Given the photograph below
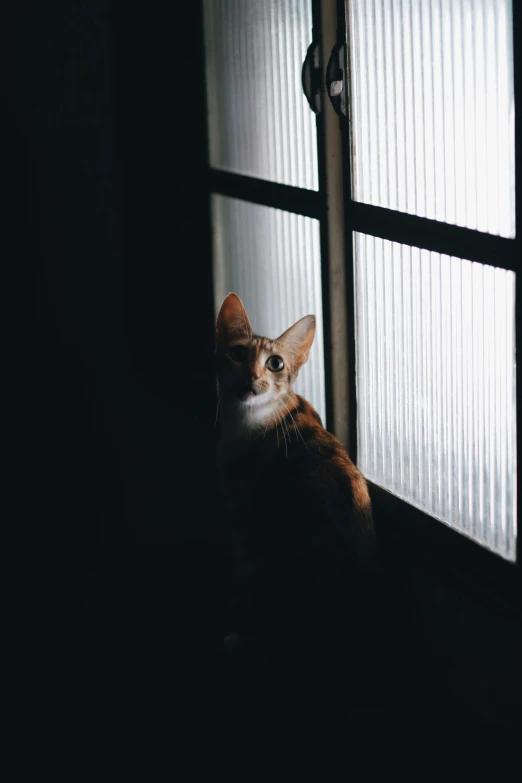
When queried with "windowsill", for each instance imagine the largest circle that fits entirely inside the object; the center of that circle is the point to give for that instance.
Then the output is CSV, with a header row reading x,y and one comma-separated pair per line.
x,y
403,530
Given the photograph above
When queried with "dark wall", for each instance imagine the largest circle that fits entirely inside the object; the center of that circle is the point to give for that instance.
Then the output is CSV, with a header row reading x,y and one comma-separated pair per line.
x,y
107,241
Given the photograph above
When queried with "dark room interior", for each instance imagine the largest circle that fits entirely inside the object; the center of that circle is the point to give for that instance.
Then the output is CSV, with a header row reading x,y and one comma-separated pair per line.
x,y
120,566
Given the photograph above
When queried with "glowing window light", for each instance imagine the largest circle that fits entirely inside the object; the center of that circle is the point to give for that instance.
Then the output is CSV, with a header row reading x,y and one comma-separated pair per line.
x,y
432,109
436,396
259,122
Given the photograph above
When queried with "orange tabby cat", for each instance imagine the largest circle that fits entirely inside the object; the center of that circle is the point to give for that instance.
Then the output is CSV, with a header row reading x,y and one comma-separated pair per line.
x,y
299,505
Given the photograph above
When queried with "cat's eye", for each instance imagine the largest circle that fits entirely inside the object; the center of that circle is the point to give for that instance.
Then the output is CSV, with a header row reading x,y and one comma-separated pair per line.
x,y
275,363
238,353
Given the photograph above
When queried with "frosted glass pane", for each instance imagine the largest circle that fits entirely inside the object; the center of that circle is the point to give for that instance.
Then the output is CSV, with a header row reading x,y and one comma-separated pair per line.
x,y
436,394
259,121
272,260
432,109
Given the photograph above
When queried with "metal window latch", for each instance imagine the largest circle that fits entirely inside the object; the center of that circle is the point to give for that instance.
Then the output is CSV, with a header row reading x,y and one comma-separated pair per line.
x,y
336,79
311,76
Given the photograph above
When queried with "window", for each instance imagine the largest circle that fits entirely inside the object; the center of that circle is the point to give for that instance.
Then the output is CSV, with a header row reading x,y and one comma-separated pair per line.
x,y
432,119
394,220
436,385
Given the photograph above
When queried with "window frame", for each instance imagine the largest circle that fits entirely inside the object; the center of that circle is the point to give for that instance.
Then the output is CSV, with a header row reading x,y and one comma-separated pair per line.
x,y
398,523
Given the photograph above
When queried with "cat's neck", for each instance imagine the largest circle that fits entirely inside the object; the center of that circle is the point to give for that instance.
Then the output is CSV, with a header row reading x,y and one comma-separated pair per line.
x,y
244,422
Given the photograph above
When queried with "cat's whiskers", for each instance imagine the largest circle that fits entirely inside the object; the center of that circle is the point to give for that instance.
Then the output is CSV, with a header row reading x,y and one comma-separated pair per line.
x,y
296,428
270,421
217,411
277,430
284,424
283,433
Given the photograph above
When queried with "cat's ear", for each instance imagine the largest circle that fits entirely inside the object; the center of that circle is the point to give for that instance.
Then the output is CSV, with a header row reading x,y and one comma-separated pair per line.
x,y
232,320
298,340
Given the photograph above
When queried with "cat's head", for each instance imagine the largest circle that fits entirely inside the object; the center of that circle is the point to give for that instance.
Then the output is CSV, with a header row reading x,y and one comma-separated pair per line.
x,y
255,374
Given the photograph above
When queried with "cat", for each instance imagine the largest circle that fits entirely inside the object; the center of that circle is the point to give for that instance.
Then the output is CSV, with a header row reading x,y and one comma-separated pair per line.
x,y
298,505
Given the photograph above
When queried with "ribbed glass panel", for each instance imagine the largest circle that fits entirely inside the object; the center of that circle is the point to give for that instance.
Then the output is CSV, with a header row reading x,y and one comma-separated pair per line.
x,y
272,260
436,396
433,109
259,121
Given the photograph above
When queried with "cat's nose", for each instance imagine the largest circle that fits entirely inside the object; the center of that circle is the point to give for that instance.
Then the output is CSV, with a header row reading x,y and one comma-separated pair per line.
x,y
254,375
